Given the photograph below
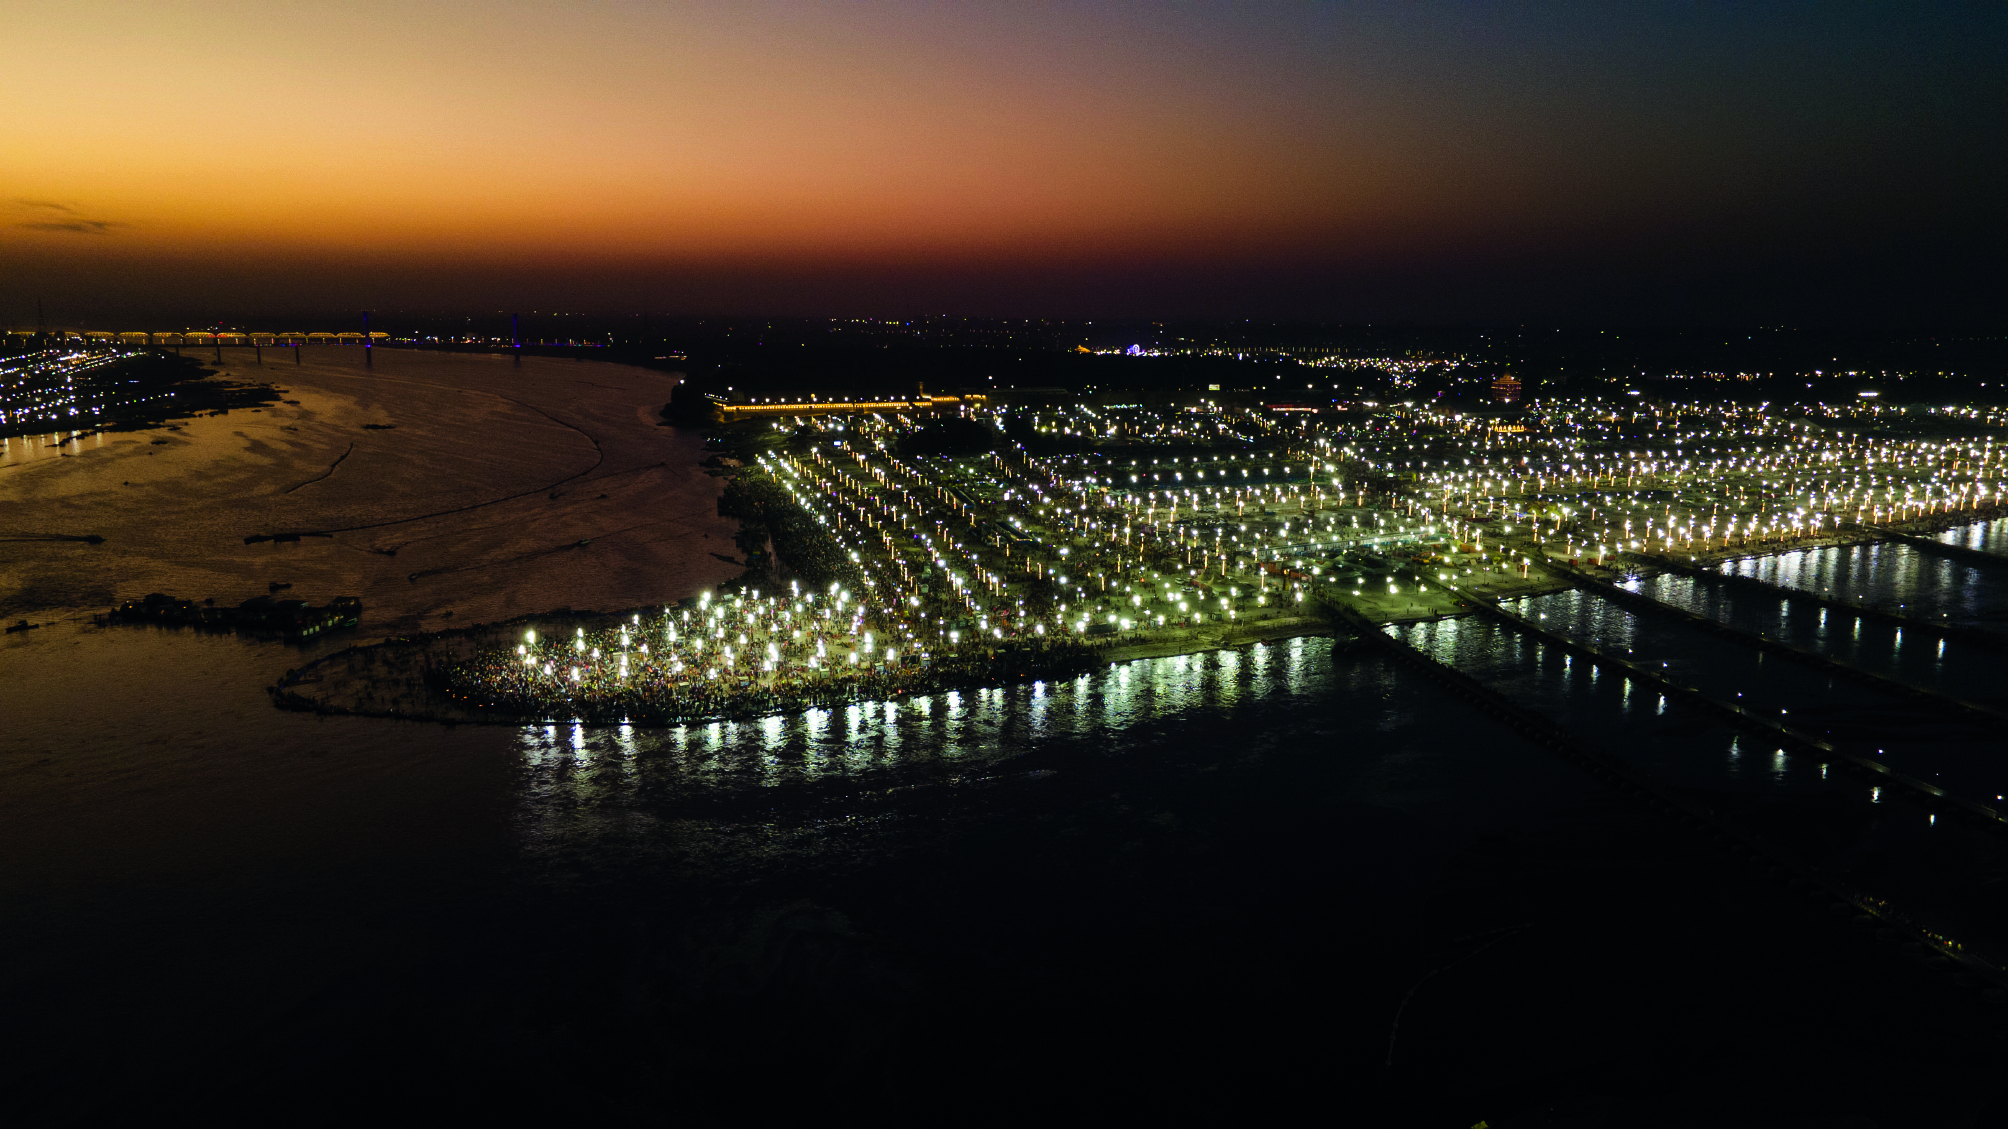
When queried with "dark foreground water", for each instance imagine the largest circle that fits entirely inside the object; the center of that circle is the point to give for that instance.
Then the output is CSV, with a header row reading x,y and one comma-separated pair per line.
x,y
1204,886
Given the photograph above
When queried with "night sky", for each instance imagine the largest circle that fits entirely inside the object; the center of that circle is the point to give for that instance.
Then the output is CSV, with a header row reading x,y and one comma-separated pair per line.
x,y
1691,162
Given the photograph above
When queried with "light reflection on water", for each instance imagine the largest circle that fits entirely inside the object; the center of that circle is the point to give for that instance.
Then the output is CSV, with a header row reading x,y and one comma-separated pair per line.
x,y
616,786
1836,822
957,731
1891,575
1862,832
21,449
1948,747
1615,713
1983,536
1962,670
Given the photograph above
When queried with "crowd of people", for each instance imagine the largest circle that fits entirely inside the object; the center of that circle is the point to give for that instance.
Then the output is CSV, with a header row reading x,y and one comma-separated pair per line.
x,y
768,516
898,588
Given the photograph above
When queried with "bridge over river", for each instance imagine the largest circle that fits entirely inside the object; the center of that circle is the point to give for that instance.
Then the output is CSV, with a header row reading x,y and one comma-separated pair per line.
x,y
143,339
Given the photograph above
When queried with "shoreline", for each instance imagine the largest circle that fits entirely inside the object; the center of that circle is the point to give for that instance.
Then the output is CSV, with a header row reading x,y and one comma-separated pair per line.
x,y
1845,536
396,677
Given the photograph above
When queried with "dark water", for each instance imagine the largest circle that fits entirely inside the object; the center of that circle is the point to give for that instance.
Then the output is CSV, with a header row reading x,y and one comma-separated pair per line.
x,y
1940,873
1962,670
1986,536
1892,575
1964,752
1194,884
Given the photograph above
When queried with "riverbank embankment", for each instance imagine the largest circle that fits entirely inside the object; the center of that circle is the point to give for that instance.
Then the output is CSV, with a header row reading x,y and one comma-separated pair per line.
x,y
404,677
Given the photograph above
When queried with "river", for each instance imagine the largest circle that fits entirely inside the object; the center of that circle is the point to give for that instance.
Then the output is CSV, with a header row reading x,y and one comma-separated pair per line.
x,y
1209,882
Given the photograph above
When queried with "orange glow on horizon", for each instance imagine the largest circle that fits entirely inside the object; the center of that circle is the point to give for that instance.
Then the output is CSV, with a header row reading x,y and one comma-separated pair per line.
x,y
411,132
371,151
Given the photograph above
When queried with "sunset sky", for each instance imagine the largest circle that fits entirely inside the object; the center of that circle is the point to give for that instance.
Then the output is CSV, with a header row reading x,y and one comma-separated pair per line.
x,y
1308,159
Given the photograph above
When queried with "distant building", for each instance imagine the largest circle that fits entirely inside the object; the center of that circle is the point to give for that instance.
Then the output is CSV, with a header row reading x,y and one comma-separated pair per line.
x,y
1506,390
